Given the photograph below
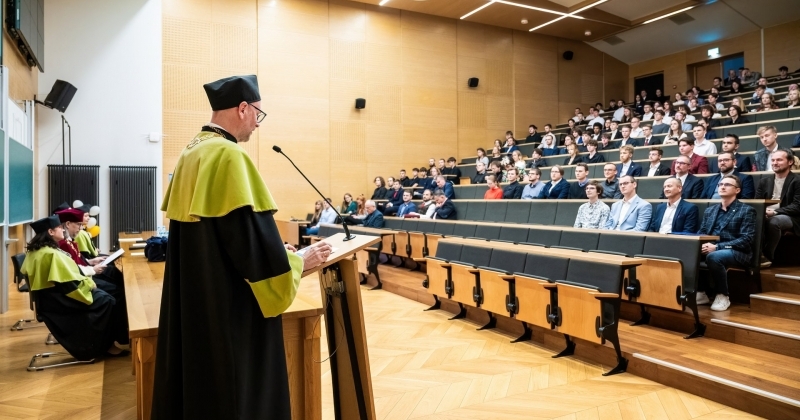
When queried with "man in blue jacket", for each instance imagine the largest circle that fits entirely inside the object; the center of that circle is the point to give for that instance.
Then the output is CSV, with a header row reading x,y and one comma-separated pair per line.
x,y
726,162
627,166
631,213
373,219
692,185
407,206
445,209
557,187
676,215
446,187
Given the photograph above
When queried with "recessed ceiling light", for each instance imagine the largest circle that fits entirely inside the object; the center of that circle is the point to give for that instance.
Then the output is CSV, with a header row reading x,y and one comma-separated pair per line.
x,y
383,2
524,21
571,14
588,33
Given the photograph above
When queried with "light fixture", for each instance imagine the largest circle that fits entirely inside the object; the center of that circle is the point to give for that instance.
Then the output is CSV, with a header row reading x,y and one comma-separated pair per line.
x,y
713,52
588,33
667,15
571,14
524,21
383,2
478,9
511,3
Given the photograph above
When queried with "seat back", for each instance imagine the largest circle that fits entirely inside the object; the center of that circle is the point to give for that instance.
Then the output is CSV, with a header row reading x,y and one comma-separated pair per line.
x,y
507,260
547,237
547,266
514,234
475,255
425,225
465,230
496,211
605,277
409,225
475,211
444,228
543,212
518,211
580,240
567,212
330,230
487,232
23,284
449,251
392,223
627,244
461,207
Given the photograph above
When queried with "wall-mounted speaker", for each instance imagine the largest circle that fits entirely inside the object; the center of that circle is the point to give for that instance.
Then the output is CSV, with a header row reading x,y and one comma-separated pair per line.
x,y
568,55
473,82
60,95
361,103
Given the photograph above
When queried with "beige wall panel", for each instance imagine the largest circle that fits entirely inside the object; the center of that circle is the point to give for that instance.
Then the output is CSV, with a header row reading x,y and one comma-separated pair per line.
x,y
383,64
421,143
471,40
343,100
471,111
229,52
499,113
22,80
347,20
499,43
235,12
441,118
500,77
421,68
429,97
524,39
186,41
184,87
469,139
615,79
591,90
280,107
290,75
535,112
348,178
442,27
424,40
781,47
383,142
383,25
180,127
347,60
536,80
348,141
471,67
383,104
313,47
294,16
188,9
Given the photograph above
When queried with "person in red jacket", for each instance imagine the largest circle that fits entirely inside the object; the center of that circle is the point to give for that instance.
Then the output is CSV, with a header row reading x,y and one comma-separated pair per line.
x,y
699,164
494,192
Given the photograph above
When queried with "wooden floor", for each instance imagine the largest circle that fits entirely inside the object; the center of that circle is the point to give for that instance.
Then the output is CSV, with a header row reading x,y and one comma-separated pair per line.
x,y
423,366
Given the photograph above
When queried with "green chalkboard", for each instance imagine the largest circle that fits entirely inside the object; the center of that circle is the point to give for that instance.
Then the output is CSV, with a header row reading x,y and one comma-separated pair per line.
x,y
2,175
20,183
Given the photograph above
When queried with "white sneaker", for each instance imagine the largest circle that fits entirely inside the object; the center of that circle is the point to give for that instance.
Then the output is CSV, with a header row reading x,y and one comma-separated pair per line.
x,y
702,298
721,303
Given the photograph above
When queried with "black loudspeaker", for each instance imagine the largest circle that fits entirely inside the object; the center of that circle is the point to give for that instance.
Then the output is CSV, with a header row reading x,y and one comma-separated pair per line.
x,y
60,95
473,82
567,55
361,103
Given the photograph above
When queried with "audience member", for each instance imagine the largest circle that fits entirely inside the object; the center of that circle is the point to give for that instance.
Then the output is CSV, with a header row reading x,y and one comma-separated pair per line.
x,y
327,217
631,213
424,182
647,115
735,112
380,189
769,138
480,174
452,172
737,100
518,161
619,111
793,99
702,146
734,222
482,157
446,187
405,181
573,157
709,113
692,185
577,115
595,118
699,164
535,186
606,143
736,87
594,214
395,198
726,165
710,134
647,137
349,205
627,166
318,207
784,216
731,144
373,218
656,167
732,77
712,102
548,145
576,190
756,99
445,209
685,119
784,74
427,208
678,99
494,192
626,138
767,103
659,125
533,136
497,154
611,183
537,161
407,206
615,132
555,189
514,189
676,215
675,133
496,169
511,143
627,114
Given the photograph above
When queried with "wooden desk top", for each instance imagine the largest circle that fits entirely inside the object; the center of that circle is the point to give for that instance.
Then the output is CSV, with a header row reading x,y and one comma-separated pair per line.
x,y
143,284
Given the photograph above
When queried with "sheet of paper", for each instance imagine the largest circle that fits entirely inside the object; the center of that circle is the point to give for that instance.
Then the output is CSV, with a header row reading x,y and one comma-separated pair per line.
x,y
111,258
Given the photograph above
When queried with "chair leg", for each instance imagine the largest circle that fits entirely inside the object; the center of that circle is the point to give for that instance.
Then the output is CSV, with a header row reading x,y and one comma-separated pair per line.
x,y
437,304
690,299
491,324
527,334
26,324
372,268
569,350
33,367
50,340
645,319
462,312
610,333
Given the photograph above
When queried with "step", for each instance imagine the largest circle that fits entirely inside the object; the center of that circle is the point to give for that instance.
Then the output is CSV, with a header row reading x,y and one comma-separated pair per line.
x,y
777,304
764,332
786,280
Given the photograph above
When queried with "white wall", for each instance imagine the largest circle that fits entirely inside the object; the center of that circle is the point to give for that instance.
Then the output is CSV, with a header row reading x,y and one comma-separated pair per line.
x,y
111,52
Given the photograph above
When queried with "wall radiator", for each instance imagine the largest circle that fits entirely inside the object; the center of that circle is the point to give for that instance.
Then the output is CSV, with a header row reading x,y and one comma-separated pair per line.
x,y
133,200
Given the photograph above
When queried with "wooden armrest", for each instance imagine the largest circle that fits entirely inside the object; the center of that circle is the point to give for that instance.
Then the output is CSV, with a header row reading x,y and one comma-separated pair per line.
x,y
372,249
507,277
473,270
550,286
420,260
600,295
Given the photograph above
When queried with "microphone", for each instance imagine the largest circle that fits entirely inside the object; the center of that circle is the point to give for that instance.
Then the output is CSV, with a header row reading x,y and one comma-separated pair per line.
x,y
347,235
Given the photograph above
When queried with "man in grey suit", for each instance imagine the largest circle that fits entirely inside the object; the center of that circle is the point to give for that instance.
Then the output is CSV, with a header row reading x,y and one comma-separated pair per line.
x,y
631,213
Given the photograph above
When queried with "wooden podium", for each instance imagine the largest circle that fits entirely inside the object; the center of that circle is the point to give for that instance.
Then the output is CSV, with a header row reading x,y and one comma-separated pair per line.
x,y
344,321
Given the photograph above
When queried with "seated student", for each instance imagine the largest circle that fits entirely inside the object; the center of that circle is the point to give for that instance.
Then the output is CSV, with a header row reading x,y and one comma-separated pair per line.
x,y
494,192
446,187
611,184
557,188
725,163
734,222
533,136
318,207
730,143
328,216
496,169
606,143
512,191
349,206
81,316
576,189
452,172
692,185
380,189
407,206
627,166
395,198
784,216
404,180
373,218
548,145
656,168
427,208
659,125
631,213
676,215
698,164
594,214
534,187
768,135
424,182
573,158
536,161
480,175
593,156
445,209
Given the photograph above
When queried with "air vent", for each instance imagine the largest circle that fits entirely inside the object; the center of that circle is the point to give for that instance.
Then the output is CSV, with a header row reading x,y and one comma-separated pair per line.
x,y
681,19
614,40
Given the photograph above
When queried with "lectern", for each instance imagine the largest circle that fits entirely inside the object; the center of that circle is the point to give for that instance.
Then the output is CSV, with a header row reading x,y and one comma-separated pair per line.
x,y
344,321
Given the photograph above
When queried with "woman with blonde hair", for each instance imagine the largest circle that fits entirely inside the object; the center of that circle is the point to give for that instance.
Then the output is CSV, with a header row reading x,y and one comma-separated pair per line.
x,y
737,100
360,203
573,158
317,213
518,159
793,99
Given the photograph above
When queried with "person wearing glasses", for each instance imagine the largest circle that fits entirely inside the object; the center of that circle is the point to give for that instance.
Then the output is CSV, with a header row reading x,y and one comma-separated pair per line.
x,y
692,185
228,274
725,163
735,224
631,213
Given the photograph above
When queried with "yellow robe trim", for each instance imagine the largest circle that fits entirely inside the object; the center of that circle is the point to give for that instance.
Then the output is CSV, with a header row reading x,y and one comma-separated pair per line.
x,y
213,177
275,294
47,266
84,242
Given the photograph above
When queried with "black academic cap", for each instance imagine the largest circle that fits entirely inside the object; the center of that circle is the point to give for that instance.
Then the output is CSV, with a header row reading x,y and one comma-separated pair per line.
x,y
231,91
62,206
42,225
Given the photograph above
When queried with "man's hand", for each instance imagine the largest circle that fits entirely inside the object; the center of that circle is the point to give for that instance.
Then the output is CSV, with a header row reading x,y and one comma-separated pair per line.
x,y
316,255
98,269
290,248
95,261
707,248
770,213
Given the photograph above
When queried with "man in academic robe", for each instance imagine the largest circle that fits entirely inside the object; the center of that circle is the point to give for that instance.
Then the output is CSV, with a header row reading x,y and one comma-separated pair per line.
x,y
228,275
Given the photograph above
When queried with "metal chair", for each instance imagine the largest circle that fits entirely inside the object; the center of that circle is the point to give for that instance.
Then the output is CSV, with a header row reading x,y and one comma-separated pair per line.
x,y
23,286
62,358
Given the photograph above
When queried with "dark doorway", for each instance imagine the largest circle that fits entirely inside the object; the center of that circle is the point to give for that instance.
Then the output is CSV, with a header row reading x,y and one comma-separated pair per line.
x,y
649,84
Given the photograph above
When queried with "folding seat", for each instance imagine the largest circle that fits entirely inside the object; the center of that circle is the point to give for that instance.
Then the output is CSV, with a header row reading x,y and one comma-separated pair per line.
x,y
493,289
488,232
461,207
543,212
464,230
464,275
496,210
440,229
518,211
514,234
416,239
548,237
438,270
567,212
629,245
530,297
476,211
583,240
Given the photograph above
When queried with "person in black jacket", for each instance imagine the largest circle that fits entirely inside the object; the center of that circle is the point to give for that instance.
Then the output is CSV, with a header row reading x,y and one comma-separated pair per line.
x,y
445,209
784,216
480,175
533,136
380,190
512,191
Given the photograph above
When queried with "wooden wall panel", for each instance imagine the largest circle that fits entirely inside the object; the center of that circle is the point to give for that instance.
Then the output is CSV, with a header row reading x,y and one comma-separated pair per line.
x,y
615,79
781,47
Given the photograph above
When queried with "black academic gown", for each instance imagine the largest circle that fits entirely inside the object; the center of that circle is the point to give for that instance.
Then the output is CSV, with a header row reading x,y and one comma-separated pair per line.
x,y
218,357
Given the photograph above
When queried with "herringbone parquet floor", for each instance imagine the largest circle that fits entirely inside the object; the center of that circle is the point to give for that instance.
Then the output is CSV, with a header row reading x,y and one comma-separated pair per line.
x,y
423,367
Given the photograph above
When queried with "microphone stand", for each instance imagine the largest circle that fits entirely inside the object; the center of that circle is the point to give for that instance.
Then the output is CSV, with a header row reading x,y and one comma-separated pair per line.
x,y
347,235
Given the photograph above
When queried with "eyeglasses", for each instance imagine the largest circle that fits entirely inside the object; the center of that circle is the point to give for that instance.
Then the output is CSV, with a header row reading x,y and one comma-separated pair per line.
x,y
726,184
681,163
724,160
261,114
622,184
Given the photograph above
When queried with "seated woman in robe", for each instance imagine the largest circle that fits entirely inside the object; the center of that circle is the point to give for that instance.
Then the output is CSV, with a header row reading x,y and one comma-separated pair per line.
x,y
80,315
82,238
